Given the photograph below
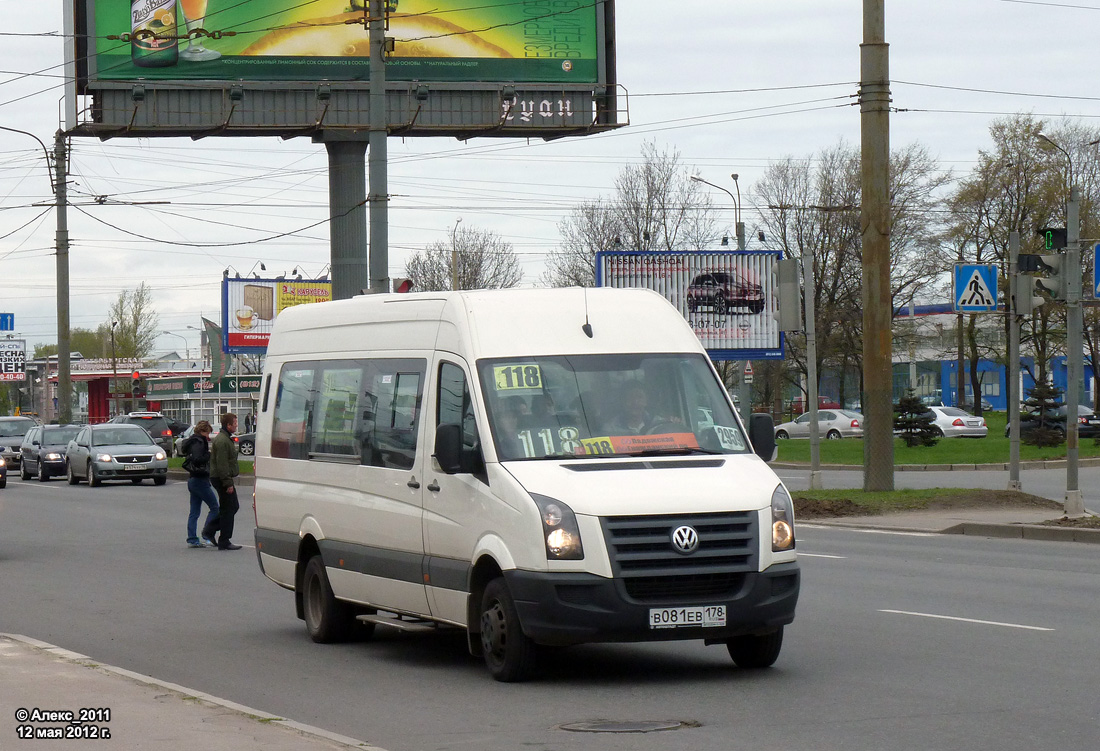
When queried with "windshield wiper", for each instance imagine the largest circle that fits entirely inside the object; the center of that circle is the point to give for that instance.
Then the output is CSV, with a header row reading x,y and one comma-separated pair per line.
x,y
675,452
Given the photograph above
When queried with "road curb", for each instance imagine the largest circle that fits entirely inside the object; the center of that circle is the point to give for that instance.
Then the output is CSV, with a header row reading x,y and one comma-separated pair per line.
x,y
1001,467
1026,532
185,693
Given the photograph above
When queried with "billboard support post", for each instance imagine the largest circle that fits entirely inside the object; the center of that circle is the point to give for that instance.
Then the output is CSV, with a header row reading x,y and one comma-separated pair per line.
x,y
347,188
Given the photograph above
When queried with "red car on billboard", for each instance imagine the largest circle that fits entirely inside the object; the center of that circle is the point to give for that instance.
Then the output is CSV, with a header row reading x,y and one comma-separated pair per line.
x,y
723,291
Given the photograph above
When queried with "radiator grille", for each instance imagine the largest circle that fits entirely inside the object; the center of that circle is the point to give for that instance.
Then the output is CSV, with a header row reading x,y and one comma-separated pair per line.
x,y
651,568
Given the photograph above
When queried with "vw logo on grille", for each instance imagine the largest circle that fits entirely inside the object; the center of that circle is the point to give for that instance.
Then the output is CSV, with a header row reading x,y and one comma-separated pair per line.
x,y
685,540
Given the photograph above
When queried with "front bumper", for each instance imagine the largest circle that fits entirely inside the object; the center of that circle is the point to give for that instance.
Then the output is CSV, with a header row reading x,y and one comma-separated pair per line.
x,y
113,471
562,609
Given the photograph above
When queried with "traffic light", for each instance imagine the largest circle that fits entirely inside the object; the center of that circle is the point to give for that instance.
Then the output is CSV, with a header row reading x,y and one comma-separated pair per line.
x,y
1027,299
402,285
135,380
1055,281
1054,238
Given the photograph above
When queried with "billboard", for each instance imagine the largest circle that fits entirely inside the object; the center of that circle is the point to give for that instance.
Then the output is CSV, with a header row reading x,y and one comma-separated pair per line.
x,y
313,40
730,299
13,360
250,306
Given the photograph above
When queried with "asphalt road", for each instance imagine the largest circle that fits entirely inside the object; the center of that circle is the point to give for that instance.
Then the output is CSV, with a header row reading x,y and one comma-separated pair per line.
x,y
902,642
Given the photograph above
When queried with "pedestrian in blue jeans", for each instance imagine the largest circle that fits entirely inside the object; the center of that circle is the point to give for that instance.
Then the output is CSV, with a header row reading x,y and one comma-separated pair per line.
x,y
196,451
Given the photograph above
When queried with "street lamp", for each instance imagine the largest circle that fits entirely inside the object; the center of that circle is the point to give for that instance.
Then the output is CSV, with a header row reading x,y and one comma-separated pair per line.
x,y
1075,366
202,335
186,348
740,228
454,254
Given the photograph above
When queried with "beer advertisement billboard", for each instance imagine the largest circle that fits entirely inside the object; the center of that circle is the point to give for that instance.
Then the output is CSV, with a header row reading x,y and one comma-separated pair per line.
x,y
13,360
543,41
730,299
250,306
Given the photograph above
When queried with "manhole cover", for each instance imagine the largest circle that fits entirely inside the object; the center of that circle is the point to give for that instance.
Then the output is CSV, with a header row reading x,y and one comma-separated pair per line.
x,y
616,726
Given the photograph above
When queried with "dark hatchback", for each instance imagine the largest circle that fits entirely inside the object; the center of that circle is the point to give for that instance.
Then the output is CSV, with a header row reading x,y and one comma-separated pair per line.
x,y
1088,422
155,424
42,454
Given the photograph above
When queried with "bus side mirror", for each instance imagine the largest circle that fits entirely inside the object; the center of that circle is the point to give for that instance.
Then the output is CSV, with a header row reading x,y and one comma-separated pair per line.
x,y
448,447
762,435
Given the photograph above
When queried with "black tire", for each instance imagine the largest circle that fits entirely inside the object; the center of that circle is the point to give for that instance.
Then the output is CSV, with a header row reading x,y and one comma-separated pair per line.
x,y
248,448
4,481
756,306
721,307
755,651
833,435
509,654
327,619
43,473
159,480
73,479
938,431
781,435
23,473
93,478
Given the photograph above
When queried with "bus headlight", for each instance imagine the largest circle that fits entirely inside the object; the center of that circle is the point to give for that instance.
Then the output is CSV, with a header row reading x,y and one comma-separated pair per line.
x,y
559,529
782,520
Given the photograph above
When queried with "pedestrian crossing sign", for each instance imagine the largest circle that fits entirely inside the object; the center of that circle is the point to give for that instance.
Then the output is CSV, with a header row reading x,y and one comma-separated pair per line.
x,y
975,288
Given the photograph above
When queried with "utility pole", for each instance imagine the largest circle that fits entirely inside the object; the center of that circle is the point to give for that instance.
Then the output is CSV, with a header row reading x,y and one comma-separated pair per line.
x,y
64,372
378,155
809,282
1075,502
1014,362
874,99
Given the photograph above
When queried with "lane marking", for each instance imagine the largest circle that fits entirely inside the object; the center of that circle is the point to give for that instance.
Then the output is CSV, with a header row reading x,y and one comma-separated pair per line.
x,y
822,555
967,620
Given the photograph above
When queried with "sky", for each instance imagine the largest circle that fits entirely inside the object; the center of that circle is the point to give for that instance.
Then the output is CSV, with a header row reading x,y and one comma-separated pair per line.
x,y
732,86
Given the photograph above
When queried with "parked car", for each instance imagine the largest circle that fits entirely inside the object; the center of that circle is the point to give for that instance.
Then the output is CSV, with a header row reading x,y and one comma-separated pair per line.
x,y
12,432
1088,422
42,454
114,451
952,422
181,438
176,426
720,291
832,424
154,423
246,443
798,404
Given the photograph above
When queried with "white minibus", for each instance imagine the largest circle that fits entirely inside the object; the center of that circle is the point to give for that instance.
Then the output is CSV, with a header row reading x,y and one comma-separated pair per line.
x,y
536,467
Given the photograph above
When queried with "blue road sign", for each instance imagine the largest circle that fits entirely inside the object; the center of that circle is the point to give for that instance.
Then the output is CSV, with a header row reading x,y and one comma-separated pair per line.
x,y
975,288
1095,273
7,321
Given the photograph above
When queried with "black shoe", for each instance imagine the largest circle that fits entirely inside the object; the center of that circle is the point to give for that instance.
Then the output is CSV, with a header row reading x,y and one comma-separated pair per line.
x,y
230,546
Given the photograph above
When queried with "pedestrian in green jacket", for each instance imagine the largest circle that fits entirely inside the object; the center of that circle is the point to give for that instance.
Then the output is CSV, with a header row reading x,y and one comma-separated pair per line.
x,y
223,468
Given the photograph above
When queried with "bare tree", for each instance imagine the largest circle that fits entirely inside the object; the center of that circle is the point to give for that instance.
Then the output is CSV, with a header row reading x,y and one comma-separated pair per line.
x,y
811,208
656,207
138,323
482,260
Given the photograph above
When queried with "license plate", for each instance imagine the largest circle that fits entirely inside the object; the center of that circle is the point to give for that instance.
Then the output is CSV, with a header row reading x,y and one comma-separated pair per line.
x,y
706,616
135,467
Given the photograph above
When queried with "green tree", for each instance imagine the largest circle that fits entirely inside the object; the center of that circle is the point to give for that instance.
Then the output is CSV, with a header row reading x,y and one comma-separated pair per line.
x,y
137,323
1042,400
913,420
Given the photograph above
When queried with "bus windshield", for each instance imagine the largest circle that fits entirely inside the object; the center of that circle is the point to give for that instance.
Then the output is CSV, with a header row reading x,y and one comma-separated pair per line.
x,y
615,404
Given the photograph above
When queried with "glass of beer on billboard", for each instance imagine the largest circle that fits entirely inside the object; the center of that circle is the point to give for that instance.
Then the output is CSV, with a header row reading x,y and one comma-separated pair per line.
x,y
194,14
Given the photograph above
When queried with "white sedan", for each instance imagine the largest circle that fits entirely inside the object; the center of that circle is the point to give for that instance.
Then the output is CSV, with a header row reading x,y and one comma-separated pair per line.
x,y
831,423
952,422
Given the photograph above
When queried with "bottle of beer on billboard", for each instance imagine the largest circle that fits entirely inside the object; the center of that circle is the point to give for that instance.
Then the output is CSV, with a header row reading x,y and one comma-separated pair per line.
x,y
153,42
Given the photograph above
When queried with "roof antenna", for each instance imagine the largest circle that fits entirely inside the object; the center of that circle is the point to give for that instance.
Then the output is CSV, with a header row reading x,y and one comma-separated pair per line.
x,y
587,327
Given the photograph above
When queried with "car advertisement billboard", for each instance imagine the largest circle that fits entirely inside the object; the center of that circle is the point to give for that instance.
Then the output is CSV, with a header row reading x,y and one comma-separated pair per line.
x,y
250,306
730,299
13,360
315,40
